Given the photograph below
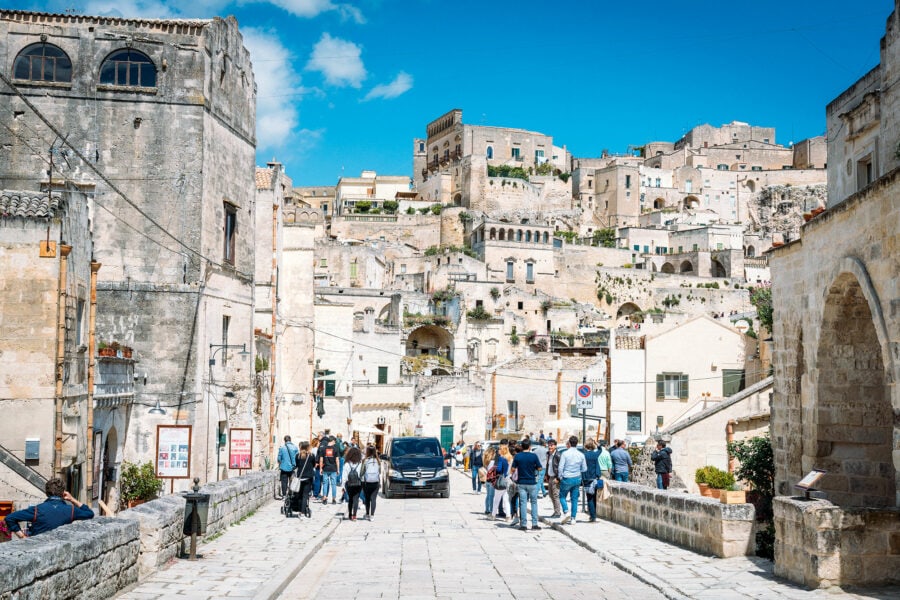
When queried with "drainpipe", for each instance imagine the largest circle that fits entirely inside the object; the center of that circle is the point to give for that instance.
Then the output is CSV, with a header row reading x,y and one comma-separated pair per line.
x,y
729,437
92,323
558,401
60,355
273,290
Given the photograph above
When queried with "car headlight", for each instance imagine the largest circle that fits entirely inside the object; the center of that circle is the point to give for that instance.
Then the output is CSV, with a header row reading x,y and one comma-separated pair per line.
x,y
442,473
394,473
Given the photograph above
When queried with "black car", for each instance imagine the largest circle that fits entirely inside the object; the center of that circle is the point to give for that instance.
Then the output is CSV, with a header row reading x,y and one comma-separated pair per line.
x,y
414,465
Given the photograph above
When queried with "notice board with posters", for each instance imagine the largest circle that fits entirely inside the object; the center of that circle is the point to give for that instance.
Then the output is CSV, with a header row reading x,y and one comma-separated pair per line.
x,y
240,449
173,451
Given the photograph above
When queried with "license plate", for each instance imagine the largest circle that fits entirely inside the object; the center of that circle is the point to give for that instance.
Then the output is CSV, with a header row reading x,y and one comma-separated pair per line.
x,y
418,484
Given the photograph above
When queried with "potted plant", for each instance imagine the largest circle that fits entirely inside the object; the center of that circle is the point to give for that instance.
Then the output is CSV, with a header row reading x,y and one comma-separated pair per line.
x,y
701,478
138,483
116,348
127,352
719,480
103,349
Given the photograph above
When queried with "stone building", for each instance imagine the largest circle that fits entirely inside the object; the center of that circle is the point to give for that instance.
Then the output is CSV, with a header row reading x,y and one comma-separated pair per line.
x,y
837,350
159,118
46,338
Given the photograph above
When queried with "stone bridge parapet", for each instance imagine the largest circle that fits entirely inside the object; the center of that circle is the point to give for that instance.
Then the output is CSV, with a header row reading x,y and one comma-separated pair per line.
x,y
695,522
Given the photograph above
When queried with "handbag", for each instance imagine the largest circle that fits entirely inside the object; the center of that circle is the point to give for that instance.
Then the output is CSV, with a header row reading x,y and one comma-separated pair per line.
x,y
502,482
482,474
490,476
294,485
513,488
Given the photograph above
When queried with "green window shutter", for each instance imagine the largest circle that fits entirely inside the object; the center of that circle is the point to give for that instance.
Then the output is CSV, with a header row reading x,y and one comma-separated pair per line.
x,y
683,388
660,387
329,387
382,374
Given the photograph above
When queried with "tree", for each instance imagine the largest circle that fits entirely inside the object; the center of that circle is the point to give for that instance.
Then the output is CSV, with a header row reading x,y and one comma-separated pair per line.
x,y
390,206
363,206
761,298
605,237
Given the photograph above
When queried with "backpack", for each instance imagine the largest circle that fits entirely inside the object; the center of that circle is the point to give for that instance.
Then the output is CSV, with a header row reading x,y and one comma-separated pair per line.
x,y
353,479
370,475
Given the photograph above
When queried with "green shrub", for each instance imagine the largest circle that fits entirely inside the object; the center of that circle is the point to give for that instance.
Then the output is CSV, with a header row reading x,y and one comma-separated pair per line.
x,y
435,209
363,206
478,314
138,482
410,210
719,479
390,206
701,475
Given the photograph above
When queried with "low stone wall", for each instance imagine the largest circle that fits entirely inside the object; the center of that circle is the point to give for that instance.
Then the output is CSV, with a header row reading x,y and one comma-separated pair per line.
x,y
696,522
818,544
100,557
87,559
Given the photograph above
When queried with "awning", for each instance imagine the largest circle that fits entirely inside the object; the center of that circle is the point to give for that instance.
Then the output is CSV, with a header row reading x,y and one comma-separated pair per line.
x,y
377,405
366,429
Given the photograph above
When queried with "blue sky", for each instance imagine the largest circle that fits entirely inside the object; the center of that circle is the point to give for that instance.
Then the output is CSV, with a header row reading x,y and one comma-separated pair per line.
x,y
346,86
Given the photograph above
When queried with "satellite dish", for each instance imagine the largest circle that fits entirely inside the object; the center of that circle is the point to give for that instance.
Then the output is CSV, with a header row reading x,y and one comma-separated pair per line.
x,y
464,426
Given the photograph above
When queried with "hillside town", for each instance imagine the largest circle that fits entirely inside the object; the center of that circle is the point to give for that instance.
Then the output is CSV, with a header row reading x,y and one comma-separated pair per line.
x,y
166,299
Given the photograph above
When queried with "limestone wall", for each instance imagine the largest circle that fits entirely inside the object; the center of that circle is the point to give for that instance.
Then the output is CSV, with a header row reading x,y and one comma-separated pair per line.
x,y
100,557
820,544
696,522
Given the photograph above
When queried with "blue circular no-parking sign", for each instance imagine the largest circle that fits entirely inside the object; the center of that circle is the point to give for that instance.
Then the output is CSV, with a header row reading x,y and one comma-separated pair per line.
x,y
584,391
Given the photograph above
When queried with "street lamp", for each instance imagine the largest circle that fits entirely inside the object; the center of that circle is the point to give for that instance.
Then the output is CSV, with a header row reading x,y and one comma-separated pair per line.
x,y
157,410
215,348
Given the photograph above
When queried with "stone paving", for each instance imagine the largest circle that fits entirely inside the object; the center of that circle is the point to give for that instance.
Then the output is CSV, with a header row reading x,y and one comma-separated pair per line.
x,y
253,558
434,548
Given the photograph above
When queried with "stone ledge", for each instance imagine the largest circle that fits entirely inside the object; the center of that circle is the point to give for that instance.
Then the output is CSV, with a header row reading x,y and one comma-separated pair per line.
x,y
695,522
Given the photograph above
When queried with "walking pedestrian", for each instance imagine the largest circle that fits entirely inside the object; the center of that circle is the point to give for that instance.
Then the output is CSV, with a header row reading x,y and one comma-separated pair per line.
x,y
371,479
341,448
605,461
328,464
527,469
352,481
489,455
591,457
501,464
662,458
512,488
621,461
287,462
476,461
551,468
317,473
571,468
306,468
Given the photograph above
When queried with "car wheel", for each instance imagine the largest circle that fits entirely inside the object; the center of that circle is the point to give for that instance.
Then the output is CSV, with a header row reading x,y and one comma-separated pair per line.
x,y
386,490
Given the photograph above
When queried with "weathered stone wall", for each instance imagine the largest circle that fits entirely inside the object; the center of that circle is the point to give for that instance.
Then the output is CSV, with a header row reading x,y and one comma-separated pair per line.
x,y
87,559
819,544
696,522
420,231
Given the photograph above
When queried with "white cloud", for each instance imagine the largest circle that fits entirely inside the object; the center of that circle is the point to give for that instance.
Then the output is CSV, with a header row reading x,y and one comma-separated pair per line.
x,y
278,89
166,9
401,84
150,9
339,61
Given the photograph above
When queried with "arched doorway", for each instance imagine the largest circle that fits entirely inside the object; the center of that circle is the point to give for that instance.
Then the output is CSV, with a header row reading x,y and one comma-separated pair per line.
x,y
631,311
457,199
691,203
659,203
667,268
430,340
110,449
750,252
854,417
718,269
687,267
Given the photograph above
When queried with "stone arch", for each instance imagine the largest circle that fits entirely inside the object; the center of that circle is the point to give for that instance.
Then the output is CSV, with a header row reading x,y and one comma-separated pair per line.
x,y
457,199
528,236
659,203
430,340
668,268
510,235
518,235
686,267
629,309
502,237
854,415
750,251
691,203
494,233
546,238
718,269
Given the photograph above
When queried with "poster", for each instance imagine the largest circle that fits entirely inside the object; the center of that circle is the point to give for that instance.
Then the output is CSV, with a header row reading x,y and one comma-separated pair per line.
x,y
240,449
173,451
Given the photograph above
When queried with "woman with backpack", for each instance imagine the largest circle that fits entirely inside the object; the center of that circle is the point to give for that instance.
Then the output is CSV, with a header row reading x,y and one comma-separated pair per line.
x,y
352,482
370,473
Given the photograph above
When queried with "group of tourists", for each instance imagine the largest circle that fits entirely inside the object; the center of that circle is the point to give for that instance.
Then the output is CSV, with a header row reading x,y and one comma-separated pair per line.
x,y
327,464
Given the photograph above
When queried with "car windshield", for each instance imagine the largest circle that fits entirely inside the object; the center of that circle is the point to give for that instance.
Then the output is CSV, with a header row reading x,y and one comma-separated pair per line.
x,y
414,448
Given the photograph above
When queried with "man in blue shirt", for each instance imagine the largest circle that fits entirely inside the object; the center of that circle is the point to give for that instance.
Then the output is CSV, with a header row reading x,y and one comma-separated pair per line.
x,y
571,466
51,513
527,467
287,462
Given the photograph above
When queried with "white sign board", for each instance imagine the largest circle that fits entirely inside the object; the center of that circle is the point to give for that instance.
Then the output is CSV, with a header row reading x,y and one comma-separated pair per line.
x,y
584,396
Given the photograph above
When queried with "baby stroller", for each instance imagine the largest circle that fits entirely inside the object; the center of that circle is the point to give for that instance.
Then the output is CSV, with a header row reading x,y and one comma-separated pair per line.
x,y
294,500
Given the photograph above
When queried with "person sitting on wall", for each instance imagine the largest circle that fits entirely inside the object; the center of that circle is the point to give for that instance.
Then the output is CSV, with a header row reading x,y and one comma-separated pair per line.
x,y
50,514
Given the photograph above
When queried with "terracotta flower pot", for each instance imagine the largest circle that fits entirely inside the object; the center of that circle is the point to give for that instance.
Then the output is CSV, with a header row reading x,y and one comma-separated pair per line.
x,y
106,351
704,489
715,493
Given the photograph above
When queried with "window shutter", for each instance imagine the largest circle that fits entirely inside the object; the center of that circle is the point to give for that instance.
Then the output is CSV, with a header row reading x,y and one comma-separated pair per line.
x,y
329,387
660,387
683,387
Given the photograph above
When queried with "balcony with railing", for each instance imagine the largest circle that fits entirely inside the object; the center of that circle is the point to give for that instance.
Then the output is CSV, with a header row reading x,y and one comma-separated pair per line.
x,y
114,382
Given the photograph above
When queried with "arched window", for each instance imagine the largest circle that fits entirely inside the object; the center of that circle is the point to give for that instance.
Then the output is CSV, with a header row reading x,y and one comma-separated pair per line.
x,y
527,236
490,152
128,68
43,62
546,238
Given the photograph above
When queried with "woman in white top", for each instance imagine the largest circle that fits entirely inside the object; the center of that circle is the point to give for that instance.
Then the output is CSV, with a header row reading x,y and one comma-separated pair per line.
x,y
370,473
352,480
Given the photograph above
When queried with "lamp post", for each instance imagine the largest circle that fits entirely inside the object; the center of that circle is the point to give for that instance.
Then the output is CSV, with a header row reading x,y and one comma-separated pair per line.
x,y
213,350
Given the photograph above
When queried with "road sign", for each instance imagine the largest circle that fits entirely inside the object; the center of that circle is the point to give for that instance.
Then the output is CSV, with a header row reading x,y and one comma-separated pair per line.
x,y
584,396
